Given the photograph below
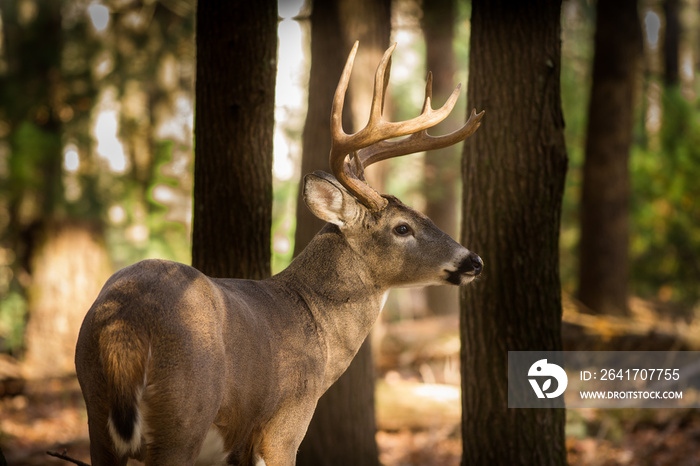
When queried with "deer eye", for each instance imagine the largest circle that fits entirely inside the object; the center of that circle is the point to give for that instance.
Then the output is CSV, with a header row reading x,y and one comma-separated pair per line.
x,y
403,230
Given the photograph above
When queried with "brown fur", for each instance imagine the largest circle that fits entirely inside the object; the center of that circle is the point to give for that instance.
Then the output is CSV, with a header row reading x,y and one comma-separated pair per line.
x,y
249,357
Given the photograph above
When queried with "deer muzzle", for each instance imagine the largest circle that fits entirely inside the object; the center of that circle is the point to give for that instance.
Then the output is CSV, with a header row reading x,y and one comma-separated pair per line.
x,y
468,268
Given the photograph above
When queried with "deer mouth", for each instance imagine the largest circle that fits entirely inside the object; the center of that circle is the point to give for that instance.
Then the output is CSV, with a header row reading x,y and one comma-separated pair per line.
x,y
467,270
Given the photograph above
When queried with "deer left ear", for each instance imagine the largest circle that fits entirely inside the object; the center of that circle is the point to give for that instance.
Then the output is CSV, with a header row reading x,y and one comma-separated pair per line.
x,y
329,200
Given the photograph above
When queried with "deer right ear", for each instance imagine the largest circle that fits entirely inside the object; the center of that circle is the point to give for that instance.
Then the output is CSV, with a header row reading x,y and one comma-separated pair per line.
x,y
329,201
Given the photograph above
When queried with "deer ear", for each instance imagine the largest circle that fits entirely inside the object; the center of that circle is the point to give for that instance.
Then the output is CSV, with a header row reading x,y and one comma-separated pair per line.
x,y
329,200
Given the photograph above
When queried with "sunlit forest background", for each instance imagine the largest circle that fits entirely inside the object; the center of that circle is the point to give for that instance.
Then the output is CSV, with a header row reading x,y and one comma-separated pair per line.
x,y
96,172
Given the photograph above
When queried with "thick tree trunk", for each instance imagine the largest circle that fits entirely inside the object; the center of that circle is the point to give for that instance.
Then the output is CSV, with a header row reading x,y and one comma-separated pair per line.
x,y
603,261
513,173
342,431
235,96
441,167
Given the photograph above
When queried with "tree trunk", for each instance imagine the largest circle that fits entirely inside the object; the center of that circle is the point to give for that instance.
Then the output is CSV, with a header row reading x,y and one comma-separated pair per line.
x,y
672,37
235,95
328,54
342,431
603,261
441,167
69,265
513,174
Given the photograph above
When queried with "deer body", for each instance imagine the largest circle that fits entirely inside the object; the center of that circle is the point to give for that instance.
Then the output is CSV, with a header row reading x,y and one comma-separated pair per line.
x,y
180,368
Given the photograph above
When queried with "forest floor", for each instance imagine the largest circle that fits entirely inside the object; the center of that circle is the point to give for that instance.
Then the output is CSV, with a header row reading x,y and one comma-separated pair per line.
x,y
50,416
418,404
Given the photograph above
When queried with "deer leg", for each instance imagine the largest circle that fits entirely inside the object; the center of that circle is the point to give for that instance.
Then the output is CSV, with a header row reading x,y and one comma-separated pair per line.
x,y
283,435
178,439
102,452
179,409
277,455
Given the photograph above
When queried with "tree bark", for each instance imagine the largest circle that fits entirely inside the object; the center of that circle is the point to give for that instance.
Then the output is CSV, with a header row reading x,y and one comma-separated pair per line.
x,y
603,261
441,167
342,431
513,173
235,95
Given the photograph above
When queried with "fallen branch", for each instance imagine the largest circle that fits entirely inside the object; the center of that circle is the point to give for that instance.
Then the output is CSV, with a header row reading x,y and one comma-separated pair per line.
x,y
65,457
645,329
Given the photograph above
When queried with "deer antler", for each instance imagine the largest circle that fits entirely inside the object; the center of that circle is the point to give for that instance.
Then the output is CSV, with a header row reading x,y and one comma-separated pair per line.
x,y
352,153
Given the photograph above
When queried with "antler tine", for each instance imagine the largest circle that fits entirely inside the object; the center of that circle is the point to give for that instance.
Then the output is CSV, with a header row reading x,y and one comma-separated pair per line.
x,y
421,141
418,142
342,161
350,154
338,136
381,82
429,91
368,135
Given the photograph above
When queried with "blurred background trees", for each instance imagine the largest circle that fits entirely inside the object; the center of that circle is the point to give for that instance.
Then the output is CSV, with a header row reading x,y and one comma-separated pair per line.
x,y
603,252
72,201
96,151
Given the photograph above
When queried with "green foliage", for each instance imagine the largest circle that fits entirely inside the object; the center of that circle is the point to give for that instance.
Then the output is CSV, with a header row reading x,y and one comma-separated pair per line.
x,y
665,213
162,155
13,313
167,238
32,151
283,223
148,231
577,53
664,169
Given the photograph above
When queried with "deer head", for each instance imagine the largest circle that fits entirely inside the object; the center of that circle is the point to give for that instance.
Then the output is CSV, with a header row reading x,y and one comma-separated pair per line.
x,y
403,240
397,244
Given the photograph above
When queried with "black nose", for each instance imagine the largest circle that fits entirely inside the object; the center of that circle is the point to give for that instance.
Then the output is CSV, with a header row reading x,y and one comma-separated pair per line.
x,y
470,266
477,264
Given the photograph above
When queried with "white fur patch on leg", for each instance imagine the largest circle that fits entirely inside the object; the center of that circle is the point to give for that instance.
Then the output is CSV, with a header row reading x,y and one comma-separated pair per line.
x,y
212,452
384,298
259,461
124,448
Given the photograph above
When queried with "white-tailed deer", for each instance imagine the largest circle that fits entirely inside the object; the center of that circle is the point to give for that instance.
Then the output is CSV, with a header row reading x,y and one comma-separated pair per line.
x,y
178,368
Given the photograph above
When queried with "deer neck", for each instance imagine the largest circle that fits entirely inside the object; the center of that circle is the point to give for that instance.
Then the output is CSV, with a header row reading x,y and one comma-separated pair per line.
x,y
336,285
